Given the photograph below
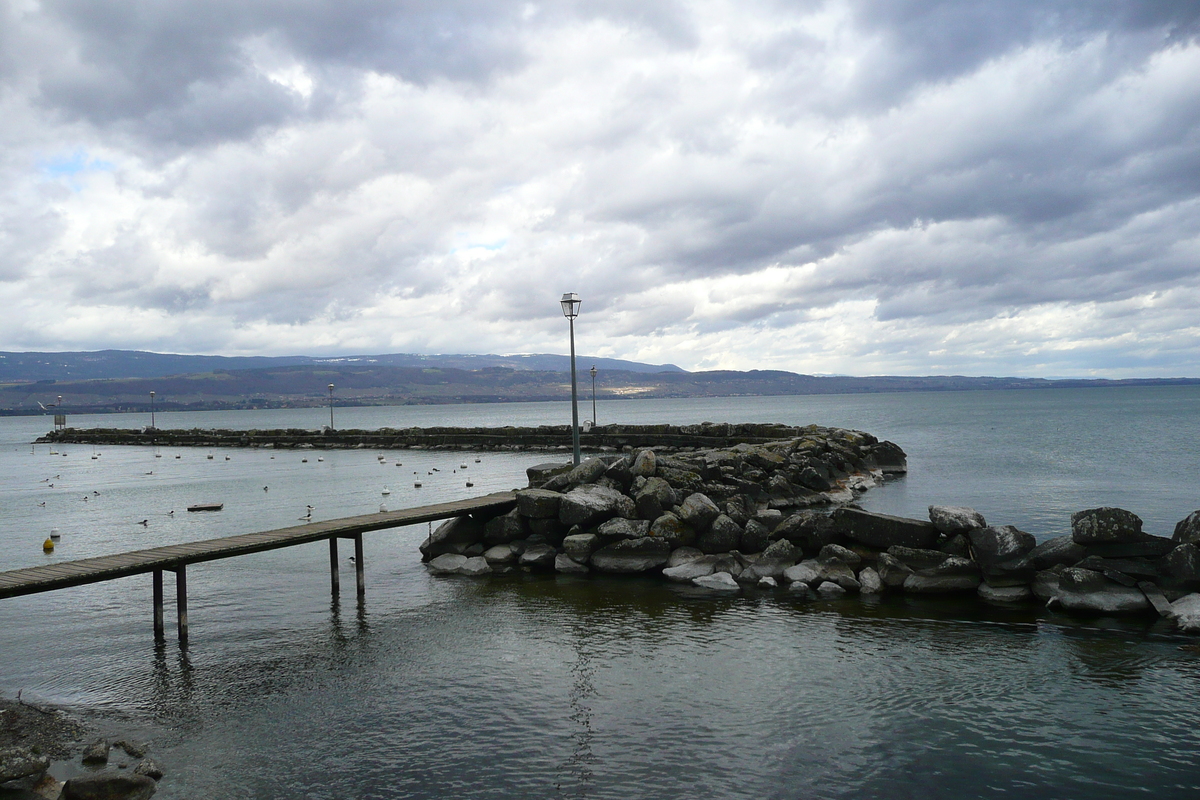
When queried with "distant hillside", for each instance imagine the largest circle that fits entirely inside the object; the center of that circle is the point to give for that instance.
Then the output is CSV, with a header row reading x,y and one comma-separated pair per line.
x,y
358,383
32,367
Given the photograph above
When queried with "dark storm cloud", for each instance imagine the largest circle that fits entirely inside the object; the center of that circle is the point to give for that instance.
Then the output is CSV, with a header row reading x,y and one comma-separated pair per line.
x,y
753,184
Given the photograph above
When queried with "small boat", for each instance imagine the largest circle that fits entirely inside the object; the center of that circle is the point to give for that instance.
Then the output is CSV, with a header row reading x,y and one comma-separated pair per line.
x,y
209,457
304,461
206,507
417,484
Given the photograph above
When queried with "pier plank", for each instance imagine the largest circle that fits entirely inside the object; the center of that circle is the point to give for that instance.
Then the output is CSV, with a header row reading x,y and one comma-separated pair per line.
x,y
63,574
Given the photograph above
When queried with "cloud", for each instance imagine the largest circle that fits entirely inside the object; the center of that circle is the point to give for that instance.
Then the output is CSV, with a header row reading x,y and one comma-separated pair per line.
x,y
849,186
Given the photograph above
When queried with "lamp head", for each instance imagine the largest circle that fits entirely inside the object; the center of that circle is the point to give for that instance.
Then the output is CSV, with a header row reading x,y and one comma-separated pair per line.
x,y
570,305
152,393
331,387
593,370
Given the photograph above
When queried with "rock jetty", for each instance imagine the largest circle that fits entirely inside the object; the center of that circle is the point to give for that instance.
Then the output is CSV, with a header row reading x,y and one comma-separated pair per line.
x,y
781,514
599,438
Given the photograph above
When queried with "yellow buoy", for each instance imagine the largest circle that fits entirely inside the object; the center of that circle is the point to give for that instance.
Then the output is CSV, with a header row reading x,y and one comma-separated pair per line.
x,y
48,546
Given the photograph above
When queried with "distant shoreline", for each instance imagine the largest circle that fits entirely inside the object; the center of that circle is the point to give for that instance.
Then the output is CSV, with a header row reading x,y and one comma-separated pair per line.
x,y
843,386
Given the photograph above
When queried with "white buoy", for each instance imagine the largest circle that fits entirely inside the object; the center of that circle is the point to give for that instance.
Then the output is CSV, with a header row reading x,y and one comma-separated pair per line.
x,y
54,535
386,491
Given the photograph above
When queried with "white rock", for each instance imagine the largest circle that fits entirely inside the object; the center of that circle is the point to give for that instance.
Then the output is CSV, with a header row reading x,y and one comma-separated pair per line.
x,y
447,564
720,582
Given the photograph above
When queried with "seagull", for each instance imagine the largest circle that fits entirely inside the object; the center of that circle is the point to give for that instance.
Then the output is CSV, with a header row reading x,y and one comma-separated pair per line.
x,y
171,513
308,516
42,504
266,488
85,498
144,523
151,472
95,493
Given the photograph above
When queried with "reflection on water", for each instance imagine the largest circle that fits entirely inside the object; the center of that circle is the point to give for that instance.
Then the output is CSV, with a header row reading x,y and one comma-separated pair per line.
x,y
531,686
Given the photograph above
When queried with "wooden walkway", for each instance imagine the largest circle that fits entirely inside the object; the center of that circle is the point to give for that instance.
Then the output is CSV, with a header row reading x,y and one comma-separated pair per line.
x,y
176,558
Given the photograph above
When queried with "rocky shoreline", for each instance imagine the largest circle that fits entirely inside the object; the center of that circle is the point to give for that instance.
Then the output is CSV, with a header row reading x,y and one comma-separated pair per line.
x,y
781,515
32,737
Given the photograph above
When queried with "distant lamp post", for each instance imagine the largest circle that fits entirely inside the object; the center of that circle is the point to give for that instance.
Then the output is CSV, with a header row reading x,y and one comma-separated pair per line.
x,y
152,411
570,306
331,406
593,394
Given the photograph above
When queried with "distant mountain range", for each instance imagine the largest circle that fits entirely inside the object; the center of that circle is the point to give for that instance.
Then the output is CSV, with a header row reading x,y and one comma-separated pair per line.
x,y
102,364
116,380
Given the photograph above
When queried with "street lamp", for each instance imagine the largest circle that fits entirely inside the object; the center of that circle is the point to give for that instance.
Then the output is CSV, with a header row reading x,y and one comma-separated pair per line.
x,y
152,411
593,394
331,406
570,307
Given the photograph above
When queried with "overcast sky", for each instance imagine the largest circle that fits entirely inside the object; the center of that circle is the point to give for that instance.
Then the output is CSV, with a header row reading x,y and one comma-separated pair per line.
x,y
905,187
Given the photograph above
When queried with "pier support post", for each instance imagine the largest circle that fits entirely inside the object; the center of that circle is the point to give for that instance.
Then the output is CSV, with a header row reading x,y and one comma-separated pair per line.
x,y
159,633
335,580
181,601
359,577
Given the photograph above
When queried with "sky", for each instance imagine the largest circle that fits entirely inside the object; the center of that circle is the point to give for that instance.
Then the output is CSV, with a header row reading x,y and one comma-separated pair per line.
x,y
914,187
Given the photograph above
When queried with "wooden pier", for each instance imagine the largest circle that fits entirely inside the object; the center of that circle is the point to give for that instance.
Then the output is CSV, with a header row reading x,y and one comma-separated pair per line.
x,y
176,558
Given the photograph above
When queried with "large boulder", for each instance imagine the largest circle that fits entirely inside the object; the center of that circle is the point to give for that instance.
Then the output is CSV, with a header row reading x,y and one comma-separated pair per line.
x,y
644,464
1186,613
801,573
588,471
632,555
869,581
538,503
475,566
808,530
721,536
955,519
916,558
830,570
686,573
995,545
1087,591
700,512
655,497
717,582
590,504
1060,550
1187,530
1003,595
755,537
564,563
500,555
452,536
621,528
618,472
21,762
673,530
109,785
954,574
538,556
1184,562
446,564
511,526
580,546
883,530
1106,526
892,571
540,473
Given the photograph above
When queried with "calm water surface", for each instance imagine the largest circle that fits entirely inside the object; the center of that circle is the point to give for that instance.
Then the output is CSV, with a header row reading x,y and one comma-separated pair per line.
x,y
554,686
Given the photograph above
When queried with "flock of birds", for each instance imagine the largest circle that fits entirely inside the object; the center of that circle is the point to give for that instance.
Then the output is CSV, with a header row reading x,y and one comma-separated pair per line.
x,y
308,508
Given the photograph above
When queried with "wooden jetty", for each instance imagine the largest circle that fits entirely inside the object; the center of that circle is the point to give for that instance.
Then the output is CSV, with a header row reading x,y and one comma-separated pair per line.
x,y
176,558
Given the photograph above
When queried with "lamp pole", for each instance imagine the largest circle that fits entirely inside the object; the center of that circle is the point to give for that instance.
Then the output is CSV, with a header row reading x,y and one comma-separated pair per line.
x,y
593,394
331,406
152,411
570,306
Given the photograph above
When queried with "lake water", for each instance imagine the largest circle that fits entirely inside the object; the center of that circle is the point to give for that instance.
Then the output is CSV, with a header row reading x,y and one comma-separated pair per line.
x,y
553,686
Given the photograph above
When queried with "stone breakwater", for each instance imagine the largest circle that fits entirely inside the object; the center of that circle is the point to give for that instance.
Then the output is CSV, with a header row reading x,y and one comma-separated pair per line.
x,y
780,515
600,438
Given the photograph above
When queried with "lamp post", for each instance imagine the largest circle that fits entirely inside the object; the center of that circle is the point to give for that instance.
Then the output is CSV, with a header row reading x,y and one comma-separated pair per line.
x,y
331,406
570,306
152,411
593,394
